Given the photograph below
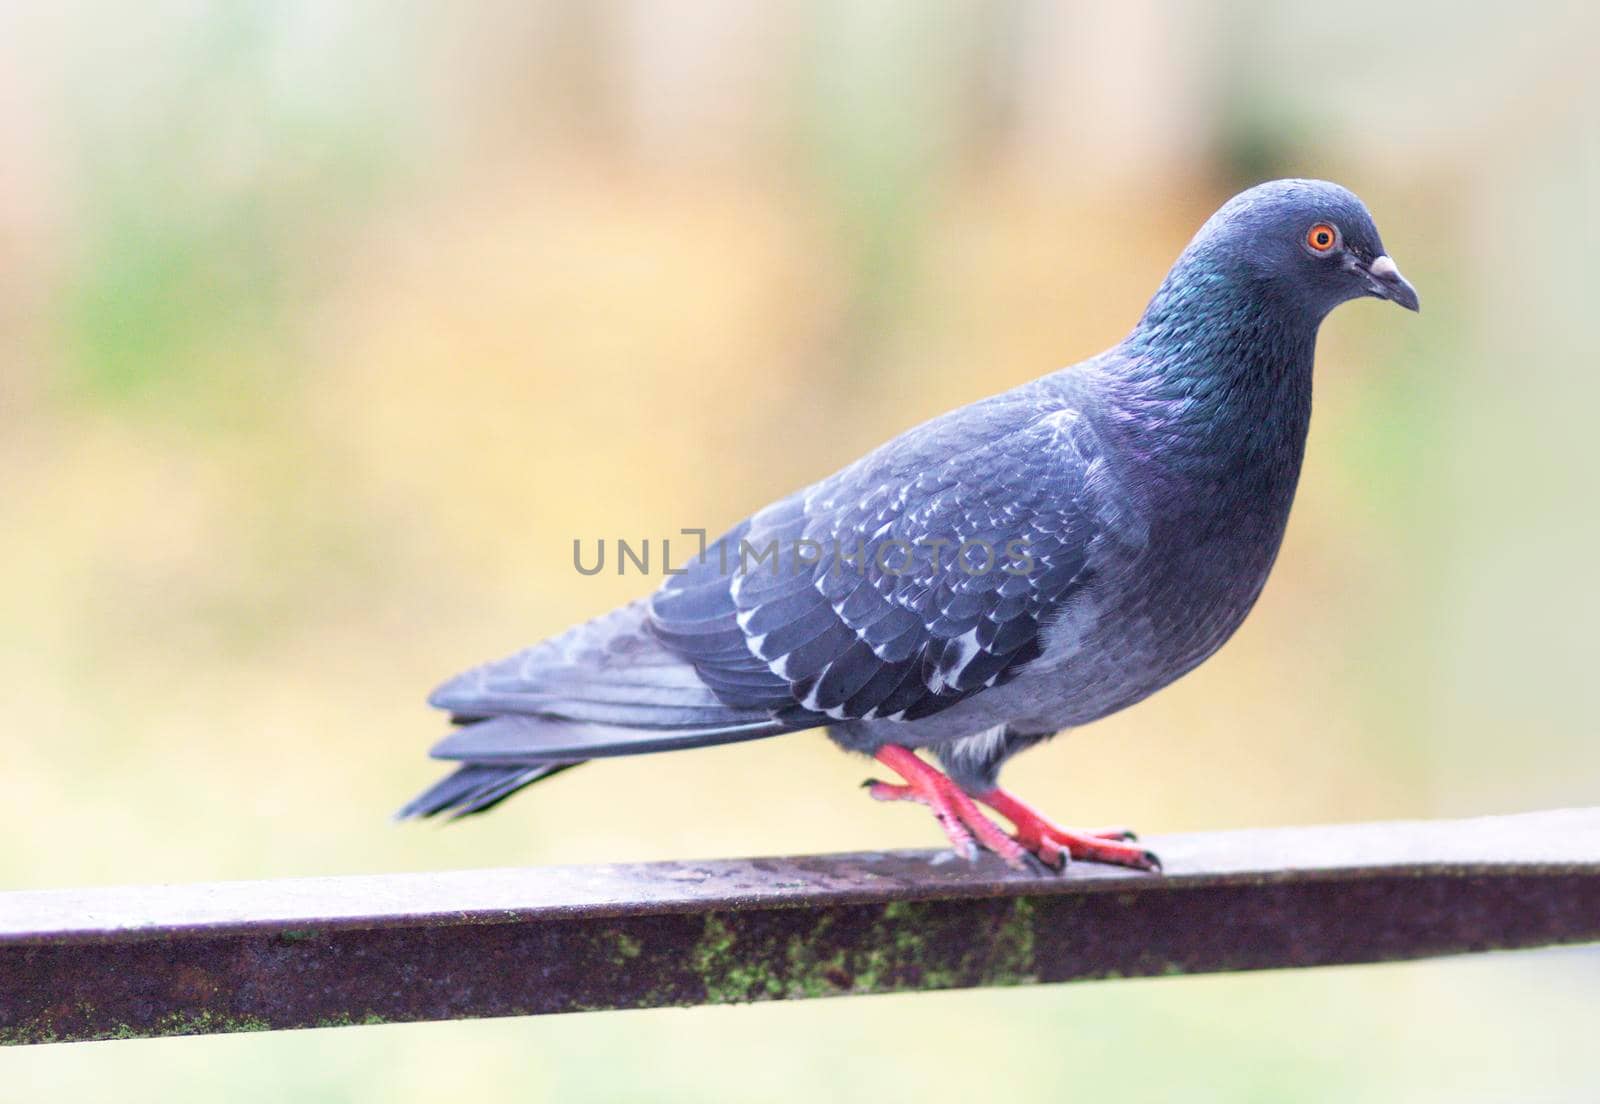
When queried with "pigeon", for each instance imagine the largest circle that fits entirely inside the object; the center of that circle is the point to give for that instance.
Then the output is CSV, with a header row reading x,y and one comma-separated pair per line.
x,y
1024,565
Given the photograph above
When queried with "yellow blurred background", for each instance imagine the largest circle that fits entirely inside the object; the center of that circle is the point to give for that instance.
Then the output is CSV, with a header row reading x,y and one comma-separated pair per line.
x,y
325,329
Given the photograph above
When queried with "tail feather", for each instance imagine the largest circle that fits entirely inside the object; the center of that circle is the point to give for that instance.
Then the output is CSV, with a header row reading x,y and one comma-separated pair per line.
x,y
474,787
609,671
606,687
526,741
574,705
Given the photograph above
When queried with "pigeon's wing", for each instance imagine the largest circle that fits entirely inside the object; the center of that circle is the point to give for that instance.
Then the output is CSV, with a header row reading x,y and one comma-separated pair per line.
x,y
910,580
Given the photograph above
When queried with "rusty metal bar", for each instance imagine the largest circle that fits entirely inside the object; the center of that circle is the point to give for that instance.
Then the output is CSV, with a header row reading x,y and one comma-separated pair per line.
x,y
242,956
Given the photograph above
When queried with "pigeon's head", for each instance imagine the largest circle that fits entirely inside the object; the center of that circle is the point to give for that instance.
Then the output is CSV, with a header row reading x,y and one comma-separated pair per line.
x,y
1307,243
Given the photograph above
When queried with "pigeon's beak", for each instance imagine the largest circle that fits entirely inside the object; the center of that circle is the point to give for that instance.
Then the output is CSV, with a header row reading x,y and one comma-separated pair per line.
x,y
1385,281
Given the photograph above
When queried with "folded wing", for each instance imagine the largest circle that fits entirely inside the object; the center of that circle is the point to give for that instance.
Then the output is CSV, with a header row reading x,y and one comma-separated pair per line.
x,y
909,581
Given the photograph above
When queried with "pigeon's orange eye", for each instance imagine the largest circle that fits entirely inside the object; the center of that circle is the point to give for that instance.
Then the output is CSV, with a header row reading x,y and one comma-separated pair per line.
x,y
1322,237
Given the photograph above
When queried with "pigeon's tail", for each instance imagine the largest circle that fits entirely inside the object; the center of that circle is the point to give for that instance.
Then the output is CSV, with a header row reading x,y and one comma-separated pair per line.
x,y
612,671
474,788
607,687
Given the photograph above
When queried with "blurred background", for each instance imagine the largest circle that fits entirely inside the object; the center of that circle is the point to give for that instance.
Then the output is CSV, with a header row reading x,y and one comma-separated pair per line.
x,y
325,329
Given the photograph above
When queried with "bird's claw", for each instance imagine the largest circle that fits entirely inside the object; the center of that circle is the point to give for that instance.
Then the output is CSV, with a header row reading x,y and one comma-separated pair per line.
x,y
1126,835
1052,863
1037,845
1043,837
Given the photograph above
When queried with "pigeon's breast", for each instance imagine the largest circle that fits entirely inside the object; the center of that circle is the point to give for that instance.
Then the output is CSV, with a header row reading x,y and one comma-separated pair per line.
x,y
1163,614
1156,611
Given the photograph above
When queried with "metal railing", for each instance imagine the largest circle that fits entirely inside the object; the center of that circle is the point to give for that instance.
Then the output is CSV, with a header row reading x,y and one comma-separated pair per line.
x,y
315,952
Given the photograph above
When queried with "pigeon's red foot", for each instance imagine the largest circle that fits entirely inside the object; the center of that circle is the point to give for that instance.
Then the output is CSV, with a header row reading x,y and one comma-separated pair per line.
x,y
1054,845
963,822
968,828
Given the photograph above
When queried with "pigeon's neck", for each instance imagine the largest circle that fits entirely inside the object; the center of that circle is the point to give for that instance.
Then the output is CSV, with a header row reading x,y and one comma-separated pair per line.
x,y
1214,313
1213,387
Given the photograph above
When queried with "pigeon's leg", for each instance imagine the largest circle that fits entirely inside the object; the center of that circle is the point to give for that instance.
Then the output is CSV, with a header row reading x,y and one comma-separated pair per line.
x,y
963,822
1054,844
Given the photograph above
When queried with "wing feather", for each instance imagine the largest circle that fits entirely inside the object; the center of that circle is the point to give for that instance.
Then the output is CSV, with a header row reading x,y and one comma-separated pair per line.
x,y
929,569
